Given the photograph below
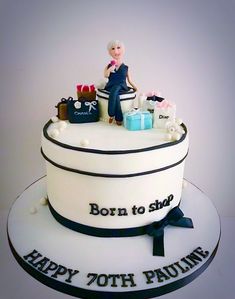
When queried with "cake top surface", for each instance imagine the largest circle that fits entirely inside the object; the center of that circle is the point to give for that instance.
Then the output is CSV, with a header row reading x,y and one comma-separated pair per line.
x,y
103,136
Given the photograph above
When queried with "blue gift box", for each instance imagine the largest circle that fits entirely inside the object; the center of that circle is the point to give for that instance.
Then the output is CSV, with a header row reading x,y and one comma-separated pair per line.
x,y
138,120
83,111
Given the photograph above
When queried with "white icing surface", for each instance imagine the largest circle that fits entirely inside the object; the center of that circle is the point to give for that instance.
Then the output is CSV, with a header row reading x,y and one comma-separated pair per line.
x,y
104,137
111,255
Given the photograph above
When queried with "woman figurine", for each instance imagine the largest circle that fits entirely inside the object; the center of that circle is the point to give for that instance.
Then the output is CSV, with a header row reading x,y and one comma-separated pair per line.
x,y
118,74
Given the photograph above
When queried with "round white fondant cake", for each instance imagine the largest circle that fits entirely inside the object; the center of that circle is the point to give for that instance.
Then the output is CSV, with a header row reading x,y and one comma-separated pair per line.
x,y
113,217
118,179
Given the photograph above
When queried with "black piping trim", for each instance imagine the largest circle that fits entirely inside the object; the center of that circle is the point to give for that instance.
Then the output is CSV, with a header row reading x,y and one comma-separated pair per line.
x,y
130,91
111,152
121,100
106,175
96,231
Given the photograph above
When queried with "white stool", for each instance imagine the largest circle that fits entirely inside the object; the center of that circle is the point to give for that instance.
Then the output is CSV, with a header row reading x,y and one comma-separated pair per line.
x,y
126,99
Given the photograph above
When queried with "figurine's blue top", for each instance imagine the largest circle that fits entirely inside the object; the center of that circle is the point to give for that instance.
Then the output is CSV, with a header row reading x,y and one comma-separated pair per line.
x,y
118,78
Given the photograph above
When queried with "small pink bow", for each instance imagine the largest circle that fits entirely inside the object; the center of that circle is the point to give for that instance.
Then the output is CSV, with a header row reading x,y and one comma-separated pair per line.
x,y
165,104
153,93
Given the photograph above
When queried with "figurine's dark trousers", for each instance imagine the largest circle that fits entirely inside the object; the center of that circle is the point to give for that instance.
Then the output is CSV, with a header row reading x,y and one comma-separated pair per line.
x,y
114,105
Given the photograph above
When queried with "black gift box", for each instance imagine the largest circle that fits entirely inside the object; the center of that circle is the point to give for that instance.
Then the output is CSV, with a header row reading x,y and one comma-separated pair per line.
x,y
83,111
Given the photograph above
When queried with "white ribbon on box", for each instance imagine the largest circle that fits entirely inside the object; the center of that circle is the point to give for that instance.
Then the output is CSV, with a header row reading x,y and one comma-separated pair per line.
x,y
164,111
91,105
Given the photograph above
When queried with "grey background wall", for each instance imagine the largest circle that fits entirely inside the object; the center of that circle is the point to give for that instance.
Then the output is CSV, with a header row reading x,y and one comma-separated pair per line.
x,y
183,48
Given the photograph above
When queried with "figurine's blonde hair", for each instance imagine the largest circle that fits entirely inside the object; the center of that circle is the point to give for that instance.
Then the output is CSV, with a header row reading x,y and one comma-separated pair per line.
x,y
113,43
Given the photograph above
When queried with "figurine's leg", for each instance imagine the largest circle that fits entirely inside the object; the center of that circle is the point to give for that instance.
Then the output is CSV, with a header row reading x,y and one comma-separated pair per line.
x,y
113,101
118,112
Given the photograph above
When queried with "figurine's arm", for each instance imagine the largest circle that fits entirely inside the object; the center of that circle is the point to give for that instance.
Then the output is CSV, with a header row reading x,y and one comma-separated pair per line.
x,y
108,70
130,82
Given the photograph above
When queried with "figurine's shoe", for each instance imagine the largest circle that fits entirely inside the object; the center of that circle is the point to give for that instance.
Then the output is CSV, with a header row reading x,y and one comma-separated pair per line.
x,y
119,123
110,120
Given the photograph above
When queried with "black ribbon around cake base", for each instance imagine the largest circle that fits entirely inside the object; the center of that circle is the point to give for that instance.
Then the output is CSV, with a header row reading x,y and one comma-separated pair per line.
x,y
156,229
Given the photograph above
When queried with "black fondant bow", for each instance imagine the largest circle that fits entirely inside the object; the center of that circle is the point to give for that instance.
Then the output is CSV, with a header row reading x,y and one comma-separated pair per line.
x,y
66,100
156,229
155,98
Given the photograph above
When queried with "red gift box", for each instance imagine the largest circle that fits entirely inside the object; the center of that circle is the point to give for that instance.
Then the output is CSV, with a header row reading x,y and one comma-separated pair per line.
x,y
87,92
86,88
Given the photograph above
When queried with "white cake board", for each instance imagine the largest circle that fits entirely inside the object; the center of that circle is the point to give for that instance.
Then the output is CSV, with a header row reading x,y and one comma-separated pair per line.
x,y
111,267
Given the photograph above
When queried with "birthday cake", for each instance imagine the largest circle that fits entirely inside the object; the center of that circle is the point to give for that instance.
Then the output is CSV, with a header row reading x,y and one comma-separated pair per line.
x,y
114,216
